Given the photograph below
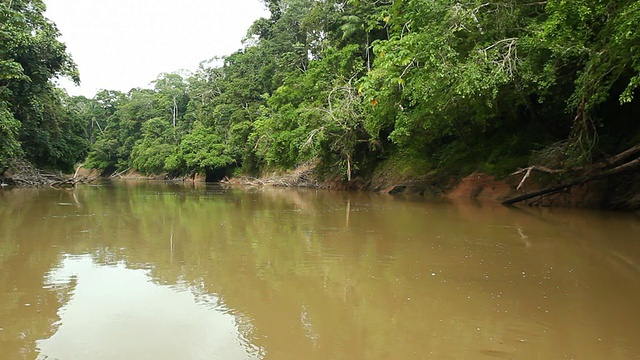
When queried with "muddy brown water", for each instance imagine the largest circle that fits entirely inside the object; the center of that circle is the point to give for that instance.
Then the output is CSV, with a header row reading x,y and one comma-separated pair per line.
x,y
170,271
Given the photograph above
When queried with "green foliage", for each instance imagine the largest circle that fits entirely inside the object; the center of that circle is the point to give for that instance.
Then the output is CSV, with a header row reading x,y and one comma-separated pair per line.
x,y
51,135
151,151
9,127
35,120
600,37
202,149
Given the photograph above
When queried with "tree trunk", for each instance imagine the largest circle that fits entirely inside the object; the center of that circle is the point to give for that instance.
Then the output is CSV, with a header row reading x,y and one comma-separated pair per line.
x,y
349,168
174,111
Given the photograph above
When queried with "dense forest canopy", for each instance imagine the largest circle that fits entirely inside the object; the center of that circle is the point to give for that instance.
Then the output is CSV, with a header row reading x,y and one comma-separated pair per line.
x,y
453,85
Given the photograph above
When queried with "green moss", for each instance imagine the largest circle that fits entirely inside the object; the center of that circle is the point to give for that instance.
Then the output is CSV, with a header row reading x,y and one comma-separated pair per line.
x,y
406,163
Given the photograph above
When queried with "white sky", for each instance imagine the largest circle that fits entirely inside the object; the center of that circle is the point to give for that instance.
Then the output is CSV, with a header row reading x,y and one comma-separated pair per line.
x,y
122,44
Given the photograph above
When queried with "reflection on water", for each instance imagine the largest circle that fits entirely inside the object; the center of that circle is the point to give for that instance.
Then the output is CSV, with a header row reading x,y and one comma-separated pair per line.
x,y
165,271
115,312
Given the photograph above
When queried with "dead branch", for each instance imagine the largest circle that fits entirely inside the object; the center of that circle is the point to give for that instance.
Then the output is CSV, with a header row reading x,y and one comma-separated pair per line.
x,y
626,167
604,164
119,174
75,175
616,159
528,170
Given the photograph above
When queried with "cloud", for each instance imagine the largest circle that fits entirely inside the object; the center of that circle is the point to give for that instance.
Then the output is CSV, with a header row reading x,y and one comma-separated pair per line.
x,y
121,44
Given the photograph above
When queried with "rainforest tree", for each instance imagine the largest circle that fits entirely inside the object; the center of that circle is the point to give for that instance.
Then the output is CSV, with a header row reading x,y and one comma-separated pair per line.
x,y
34,119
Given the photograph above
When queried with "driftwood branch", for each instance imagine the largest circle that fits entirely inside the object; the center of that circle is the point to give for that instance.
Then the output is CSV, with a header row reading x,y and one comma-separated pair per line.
x,y
303,176
619,158
528,171
119,174
75,175
607,163
24,174
626,167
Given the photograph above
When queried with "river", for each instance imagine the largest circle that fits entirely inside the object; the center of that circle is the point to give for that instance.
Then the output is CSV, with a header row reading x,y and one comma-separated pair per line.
x,y
144,270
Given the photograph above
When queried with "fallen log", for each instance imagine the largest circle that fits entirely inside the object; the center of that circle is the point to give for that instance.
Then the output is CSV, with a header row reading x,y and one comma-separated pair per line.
x,y
607,163
629,166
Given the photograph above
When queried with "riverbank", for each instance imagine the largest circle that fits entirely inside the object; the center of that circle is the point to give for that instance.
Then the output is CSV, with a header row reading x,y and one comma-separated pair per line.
x,y
609,194
613,193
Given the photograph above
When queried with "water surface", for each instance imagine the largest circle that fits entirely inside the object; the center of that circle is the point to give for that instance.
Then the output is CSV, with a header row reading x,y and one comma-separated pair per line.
x,y
166,271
